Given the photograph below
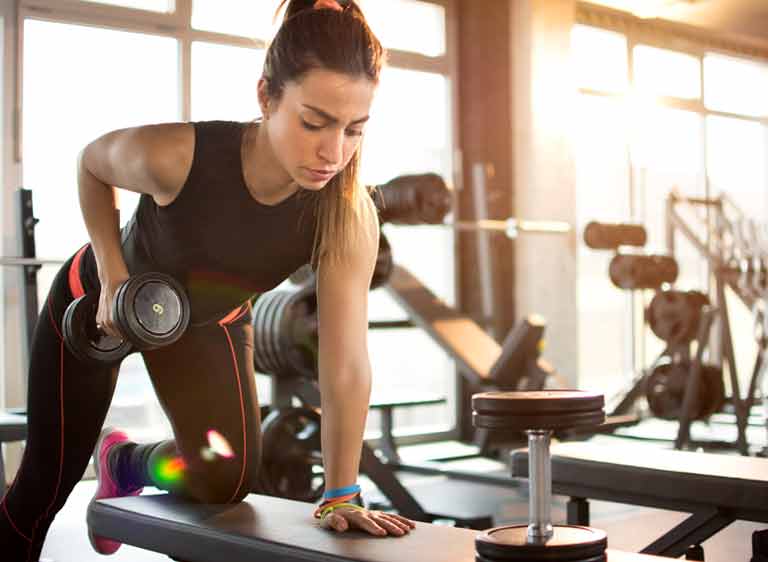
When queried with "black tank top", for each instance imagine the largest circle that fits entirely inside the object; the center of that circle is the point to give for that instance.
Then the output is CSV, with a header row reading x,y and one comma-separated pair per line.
x,y
215,238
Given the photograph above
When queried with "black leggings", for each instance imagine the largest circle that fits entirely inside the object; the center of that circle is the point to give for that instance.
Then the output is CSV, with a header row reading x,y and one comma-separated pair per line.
x,y
203,381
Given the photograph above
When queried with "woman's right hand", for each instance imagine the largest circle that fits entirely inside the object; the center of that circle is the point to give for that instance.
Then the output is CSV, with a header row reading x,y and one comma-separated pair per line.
x,y
104,320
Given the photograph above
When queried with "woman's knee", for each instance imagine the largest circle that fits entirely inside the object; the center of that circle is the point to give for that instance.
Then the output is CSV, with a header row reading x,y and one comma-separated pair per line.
x,y
224,480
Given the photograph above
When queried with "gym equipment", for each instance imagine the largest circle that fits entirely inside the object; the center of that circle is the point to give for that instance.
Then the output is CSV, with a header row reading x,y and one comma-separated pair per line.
x,y
285,333
304,276
642,271
291,464
274,529
151,310
715,489
21,261
610,236
539,413
413,199
666,385
13,427
674,316
736,252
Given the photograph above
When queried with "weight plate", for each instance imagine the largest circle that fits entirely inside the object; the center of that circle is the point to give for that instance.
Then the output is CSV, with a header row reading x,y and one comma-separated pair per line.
x,y
553,402
567,543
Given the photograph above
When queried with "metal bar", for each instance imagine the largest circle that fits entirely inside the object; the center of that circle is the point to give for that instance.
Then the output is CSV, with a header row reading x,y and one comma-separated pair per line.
x,y
512,226
17,261
693,530
539,485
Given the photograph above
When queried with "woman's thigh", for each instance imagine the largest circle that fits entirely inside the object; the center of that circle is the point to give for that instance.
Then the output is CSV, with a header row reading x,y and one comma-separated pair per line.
x,y
205,382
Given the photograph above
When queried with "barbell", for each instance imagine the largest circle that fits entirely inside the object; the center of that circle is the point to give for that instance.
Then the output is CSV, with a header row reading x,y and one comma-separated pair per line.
x,y
22,262
512,227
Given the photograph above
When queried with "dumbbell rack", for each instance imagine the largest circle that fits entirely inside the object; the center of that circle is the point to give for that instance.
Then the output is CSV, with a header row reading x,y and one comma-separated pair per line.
x,y
720,247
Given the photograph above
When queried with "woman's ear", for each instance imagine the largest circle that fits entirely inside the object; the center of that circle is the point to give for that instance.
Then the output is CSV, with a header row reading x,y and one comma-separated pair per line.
x,y
263,98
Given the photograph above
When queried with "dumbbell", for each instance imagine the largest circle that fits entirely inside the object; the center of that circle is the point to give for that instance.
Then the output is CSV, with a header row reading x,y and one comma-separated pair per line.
x,y
151,310
538,414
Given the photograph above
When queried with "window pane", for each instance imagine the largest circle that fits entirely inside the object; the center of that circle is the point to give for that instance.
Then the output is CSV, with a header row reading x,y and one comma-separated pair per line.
x,y
247,18
407,25
72,94
735,85
737,158
224,80
410,132
737,161
151,5
599,59
667,153
660,72
602,194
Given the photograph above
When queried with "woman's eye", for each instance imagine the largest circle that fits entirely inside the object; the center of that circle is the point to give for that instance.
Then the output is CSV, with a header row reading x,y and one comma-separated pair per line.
x,y
310,126
354,133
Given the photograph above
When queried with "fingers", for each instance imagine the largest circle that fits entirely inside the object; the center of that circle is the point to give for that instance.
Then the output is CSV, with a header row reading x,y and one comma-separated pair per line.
x,y
375,523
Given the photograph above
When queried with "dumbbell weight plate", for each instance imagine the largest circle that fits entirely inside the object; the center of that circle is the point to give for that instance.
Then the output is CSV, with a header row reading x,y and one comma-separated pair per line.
x,y
569,543
83,340
545,409
291,457
151,310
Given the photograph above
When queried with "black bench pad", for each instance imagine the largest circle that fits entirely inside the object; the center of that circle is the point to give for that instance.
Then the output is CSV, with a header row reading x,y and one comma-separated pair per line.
x,y
266,528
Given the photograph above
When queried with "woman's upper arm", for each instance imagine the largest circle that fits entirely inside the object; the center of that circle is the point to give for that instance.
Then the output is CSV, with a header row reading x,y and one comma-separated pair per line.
x,y
152,159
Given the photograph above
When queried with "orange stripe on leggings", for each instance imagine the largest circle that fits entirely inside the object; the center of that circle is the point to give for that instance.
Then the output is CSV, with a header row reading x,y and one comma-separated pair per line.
x,y
234,314
75,283
242,411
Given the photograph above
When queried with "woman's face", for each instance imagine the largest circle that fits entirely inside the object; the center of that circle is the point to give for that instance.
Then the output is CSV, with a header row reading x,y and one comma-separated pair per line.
x,y
317,125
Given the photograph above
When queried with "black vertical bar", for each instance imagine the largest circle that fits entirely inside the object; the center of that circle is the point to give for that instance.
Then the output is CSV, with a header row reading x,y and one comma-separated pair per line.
x,y
26,223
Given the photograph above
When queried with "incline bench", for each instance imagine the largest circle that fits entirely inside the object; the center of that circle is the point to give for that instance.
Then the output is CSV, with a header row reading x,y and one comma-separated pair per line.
x,y
716,489
277,530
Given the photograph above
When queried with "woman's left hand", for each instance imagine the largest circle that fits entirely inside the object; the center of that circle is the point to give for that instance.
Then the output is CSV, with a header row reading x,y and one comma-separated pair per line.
x,y
374,522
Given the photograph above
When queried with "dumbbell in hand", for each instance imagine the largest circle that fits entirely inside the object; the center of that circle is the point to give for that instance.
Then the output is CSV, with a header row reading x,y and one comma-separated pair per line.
x,y
538,414
151,310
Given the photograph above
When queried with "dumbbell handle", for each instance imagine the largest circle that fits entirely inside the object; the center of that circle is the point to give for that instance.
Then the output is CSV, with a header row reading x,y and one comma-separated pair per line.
x,y
539,485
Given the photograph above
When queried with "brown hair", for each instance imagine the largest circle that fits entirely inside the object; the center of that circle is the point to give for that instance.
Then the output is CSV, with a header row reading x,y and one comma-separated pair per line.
x,y
341,41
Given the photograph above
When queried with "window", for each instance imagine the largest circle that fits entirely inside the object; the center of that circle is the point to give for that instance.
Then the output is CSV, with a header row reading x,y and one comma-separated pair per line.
x,y
735,85
151,5
247,18
407,25
224,80
599,59
409,133
601,143
74,93
631,149
661,72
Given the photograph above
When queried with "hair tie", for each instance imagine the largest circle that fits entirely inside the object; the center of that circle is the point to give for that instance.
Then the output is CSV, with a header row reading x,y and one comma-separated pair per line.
x,y
330,4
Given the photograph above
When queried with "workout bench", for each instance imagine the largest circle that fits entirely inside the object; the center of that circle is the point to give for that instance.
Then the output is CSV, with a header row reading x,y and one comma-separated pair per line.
x,y
716,489
278,530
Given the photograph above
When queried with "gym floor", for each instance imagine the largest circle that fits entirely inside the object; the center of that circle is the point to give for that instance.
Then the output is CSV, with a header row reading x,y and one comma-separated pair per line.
x,y
629,527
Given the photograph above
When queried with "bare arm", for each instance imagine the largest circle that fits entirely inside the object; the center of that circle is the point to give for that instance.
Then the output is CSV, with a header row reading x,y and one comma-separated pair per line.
x,y
345,376
345,371
153,159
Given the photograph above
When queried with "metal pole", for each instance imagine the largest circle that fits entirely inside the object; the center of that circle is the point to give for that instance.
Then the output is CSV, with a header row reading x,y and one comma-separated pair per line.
x,y
540,485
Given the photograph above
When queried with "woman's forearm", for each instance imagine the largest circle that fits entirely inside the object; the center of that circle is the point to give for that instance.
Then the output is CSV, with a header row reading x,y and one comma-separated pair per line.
x,y
98,202
345,395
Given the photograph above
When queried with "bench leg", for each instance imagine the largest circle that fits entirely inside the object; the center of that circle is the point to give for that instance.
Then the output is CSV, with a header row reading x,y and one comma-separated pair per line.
x,y
694,530
578,511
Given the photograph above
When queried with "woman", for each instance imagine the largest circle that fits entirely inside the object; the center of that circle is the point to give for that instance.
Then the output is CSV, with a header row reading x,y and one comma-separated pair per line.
x,y
230,210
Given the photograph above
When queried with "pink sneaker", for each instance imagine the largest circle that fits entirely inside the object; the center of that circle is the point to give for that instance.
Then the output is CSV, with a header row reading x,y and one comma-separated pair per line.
x,y
107,487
